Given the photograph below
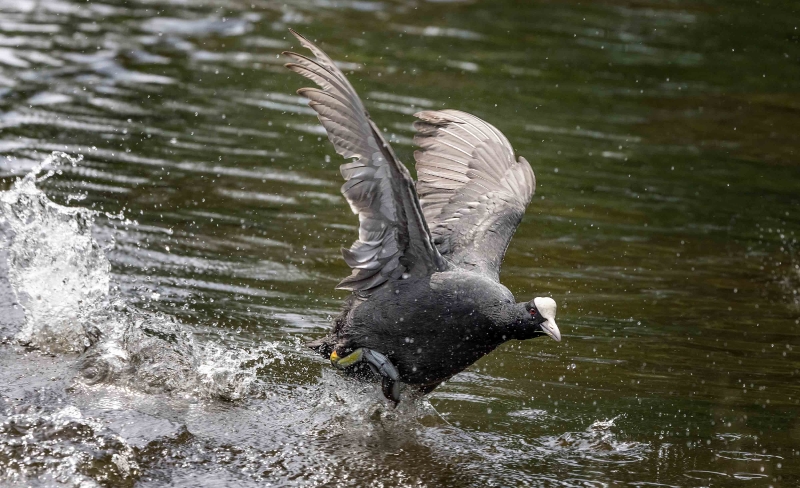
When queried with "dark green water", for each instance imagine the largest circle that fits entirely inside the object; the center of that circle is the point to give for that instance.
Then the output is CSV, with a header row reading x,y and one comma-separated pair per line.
x,y
665,138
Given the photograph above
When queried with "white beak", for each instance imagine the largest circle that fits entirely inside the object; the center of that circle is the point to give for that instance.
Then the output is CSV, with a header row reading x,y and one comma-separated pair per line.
x,y
550,328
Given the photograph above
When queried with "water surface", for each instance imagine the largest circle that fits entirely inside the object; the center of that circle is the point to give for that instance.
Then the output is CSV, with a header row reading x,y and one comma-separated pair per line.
x,y
167,273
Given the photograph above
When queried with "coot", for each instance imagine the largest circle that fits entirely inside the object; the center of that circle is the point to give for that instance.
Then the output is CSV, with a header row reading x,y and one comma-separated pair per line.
x,y
426,298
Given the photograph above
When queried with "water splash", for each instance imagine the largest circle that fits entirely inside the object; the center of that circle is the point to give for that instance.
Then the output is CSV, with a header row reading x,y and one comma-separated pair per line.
x,y
358,408
231,373
61,278
58,272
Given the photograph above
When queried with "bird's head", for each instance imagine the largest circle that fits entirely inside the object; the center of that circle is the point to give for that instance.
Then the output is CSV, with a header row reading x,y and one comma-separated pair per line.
x,y
542,312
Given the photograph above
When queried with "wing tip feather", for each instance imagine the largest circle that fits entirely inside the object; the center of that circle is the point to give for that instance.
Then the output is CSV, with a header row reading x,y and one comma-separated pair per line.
x,y
336,103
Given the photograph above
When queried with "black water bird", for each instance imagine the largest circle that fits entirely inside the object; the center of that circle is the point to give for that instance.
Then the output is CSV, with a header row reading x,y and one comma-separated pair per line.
x,y
427,301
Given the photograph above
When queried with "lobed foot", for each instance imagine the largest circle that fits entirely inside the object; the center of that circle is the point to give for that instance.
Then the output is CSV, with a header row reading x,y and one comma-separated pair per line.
x,y
379,364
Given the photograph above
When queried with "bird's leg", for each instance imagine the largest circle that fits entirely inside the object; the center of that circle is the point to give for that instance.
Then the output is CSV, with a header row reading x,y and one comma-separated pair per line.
x,y
379,364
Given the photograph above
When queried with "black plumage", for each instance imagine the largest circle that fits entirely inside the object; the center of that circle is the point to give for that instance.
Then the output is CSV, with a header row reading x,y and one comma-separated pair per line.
x,y
425,280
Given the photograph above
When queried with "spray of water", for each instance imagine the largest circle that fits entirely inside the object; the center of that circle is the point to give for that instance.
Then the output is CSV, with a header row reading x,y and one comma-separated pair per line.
x,y
57,271
61,279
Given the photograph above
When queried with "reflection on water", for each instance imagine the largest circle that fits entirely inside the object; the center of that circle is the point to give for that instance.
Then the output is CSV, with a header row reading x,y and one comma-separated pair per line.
x,y
156,292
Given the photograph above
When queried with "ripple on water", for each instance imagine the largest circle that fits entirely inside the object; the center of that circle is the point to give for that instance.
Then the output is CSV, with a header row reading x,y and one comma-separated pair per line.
x,y
47,445
747,456
530,414
598,443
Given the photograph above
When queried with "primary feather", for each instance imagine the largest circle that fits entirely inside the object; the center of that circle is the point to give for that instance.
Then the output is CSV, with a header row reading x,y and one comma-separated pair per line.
x,y
472,191
393,239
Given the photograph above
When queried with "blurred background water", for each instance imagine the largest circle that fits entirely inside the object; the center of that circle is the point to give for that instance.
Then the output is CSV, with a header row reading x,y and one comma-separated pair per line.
x,y
156,288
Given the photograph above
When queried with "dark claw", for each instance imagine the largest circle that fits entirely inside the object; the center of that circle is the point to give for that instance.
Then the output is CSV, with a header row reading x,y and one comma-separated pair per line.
x,y
391,390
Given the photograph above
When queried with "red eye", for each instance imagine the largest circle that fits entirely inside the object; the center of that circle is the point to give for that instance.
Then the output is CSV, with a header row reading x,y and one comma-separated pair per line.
x,y
533,312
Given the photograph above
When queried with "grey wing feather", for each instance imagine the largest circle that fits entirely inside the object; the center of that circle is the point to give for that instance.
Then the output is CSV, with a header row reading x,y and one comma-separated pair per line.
x,y
393,238
472,191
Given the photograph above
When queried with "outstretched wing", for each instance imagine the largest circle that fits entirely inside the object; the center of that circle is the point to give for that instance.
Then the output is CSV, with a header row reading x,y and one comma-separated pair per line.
x,y
473,193
393,239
